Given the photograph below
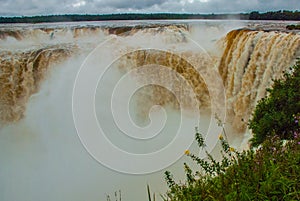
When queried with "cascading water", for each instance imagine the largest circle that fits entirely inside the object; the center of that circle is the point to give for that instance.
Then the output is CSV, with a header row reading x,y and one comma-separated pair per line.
x,y
251,60
42,157
21,75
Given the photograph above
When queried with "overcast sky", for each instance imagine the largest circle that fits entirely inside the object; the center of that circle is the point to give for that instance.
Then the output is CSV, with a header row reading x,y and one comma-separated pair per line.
x,y
41,7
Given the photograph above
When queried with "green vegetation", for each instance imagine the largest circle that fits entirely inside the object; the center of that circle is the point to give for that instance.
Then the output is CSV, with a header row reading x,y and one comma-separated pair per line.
x,y
118,196
122,16
278,113
270,172
293,27
277,15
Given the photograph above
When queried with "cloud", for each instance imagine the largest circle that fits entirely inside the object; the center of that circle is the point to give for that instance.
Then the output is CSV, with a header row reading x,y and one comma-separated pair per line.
x,y
38,7
134,4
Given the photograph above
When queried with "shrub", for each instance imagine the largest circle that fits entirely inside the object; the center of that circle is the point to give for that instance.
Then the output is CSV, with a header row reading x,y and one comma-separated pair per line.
x,y
272,172
293,27
275,114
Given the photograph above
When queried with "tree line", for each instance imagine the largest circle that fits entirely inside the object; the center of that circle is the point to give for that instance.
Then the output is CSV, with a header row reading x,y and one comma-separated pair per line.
x,y
274,15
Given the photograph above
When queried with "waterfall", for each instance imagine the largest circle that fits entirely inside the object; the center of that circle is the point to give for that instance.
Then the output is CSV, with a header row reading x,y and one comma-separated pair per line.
x,y
250,61
213,68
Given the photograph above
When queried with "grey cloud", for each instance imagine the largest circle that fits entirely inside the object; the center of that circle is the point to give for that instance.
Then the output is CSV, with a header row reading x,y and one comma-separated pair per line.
x,y
38,7
135,4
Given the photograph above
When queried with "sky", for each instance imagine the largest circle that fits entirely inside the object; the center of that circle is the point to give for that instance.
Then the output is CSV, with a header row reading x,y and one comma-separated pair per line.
x,y
45,7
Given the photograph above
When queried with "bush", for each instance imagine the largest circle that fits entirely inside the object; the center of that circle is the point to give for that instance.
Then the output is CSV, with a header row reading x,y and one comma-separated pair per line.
x,y
293,27
272,172
276,113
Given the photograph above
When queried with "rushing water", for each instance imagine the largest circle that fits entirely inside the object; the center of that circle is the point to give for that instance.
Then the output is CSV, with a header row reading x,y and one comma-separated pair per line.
x,y
76,105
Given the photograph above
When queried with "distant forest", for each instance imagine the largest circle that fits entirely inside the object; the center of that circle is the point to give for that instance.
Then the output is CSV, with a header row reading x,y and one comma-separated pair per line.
x,y
273,15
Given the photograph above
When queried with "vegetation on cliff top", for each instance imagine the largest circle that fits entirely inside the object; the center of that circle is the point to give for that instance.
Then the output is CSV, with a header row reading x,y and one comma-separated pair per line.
x,y
293,27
